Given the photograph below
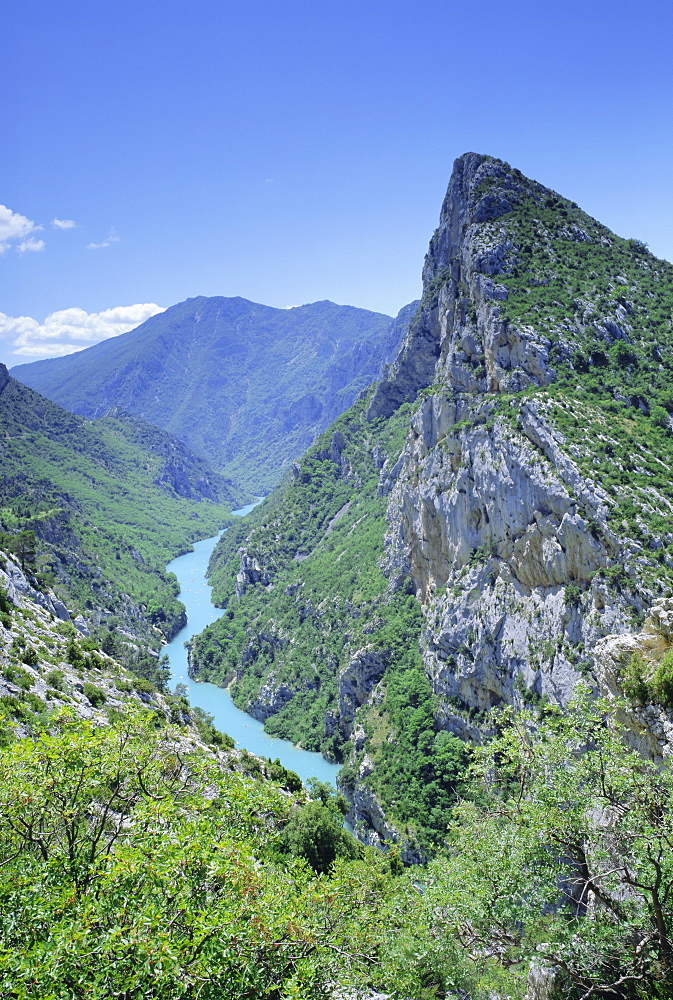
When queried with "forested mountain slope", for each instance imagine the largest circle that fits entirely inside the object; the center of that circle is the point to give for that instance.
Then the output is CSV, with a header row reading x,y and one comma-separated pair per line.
x,y
246,385
95,509
464,536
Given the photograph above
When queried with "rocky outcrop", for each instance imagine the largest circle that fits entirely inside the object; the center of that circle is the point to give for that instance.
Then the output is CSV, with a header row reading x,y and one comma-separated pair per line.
x,y
505,536
20,588
648,727
271,698
459,335
489,513
493,520
251,572
356,682
372,827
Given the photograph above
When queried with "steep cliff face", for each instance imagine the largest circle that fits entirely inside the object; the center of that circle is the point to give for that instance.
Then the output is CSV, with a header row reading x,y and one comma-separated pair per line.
x,y
459,333
514,468
499,519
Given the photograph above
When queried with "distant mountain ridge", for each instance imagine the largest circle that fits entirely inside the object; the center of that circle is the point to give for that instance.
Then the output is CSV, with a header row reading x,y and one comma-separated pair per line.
x,y
246,385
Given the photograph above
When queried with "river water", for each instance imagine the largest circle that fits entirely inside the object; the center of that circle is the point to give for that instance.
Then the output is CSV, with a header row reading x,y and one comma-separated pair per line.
x,y
248,733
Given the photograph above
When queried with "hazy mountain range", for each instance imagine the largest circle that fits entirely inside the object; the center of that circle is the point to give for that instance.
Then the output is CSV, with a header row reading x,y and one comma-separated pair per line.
x,y
245,385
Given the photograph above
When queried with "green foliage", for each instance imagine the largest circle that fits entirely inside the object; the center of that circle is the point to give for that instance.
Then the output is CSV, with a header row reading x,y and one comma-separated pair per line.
x,y
91,487
634,682
30,657
143,686
322,555
94,694
660,417
661,683
285,778
417,769
16,675
644,684
133,867
567,842
316,833
56,679
629,455
320,596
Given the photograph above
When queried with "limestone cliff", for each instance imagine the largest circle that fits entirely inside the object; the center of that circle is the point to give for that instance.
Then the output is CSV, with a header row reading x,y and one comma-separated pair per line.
x,y
520,451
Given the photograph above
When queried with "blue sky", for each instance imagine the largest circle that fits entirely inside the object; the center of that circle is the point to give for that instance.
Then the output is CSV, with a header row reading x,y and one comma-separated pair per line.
x,y
295,151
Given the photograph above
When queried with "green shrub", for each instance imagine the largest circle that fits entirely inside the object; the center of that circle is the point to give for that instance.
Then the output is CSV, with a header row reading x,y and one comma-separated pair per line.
x,y
15,708
5,603
56,679
633,681
94,694
30,657
661,682
659,417
74,655
143,686
16,675
287,779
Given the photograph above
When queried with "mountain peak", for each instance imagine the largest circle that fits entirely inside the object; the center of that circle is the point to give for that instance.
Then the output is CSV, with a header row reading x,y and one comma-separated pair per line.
x,y
522,287
246,385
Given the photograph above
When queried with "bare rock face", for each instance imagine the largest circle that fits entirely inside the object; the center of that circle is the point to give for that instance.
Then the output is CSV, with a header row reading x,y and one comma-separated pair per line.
x,y
271,698
251,572
542,982
458,334
493,520
19,588
489,513
356,682
371,825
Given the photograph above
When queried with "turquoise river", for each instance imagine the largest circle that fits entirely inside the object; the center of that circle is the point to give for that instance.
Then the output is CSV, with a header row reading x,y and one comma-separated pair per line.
x,y
248,733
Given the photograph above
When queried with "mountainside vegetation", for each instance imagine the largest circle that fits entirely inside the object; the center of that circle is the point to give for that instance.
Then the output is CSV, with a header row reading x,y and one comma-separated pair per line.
x,y
320,540
95,509
245,385
142,855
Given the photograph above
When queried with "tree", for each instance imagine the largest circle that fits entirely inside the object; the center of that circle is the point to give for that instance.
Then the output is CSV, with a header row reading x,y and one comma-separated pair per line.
x,y
566,854
316,831
22,544
660,417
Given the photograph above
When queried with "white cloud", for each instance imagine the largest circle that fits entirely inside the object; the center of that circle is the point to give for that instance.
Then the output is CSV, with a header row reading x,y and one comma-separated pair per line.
x,y
16,227
70,330
63,224
112,238
31,245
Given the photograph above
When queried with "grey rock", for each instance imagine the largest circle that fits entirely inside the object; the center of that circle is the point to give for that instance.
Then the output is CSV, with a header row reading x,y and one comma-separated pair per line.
x,y
542,980
81,625
19,586
356,681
